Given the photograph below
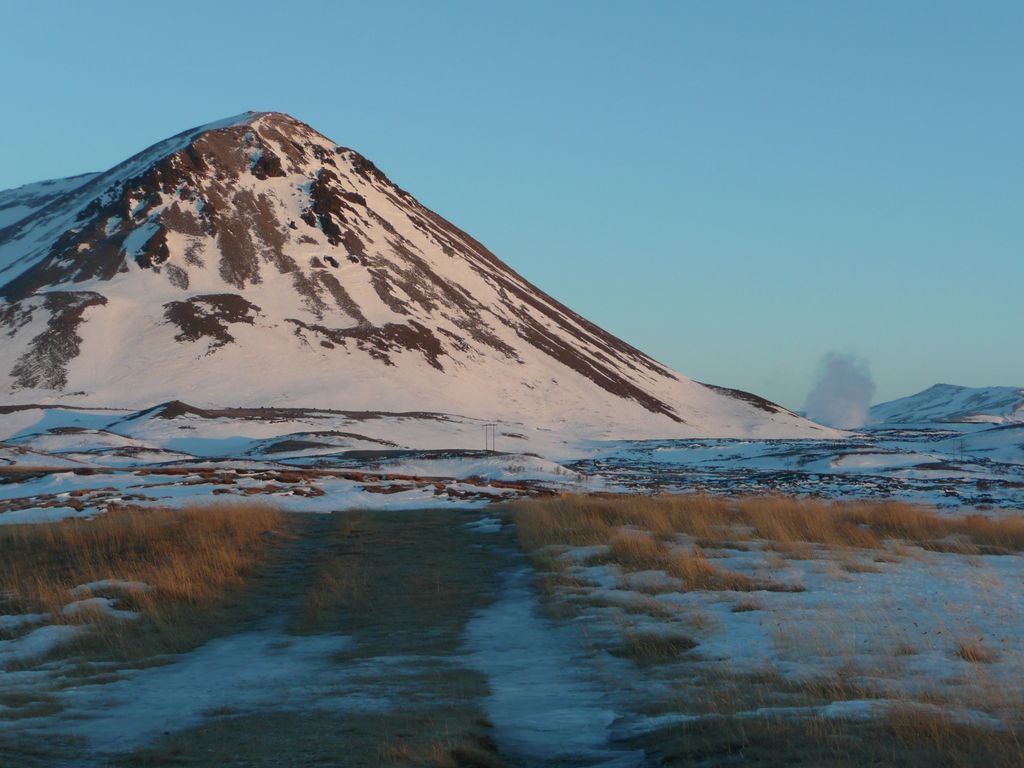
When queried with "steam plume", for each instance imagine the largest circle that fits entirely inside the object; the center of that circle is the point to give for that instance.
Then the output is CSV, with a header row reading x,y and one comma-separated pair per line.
x,y
842,396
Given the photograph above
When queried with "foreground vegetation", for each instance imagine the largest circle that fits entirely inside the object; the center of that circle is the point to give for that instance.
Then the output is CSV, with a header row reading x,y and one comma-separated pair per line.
x,y
754,631
145,581
383,586
179,555
711,521
783,631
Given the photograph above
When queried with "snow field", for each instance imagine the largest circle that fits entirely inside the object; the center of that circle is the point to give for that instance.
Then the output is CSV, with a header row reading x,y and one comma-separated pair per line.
x,y
784,628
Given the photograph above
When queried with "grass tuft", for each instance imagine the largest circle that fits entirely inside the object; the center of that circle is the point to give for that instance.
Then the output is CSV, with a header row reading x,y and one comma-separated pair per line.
x,y
974,652
654,647
162,562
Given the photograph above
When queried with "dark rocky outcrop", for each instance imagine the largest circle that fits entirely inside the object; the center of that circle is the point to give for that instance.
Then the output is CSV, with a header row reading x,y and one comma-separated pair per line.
x,y
208,317
44,365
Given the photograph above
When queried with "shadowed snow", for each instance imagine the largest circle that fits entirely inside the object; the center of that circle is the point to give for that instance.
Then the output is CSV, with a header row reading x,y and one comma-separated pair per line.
x,y
543,703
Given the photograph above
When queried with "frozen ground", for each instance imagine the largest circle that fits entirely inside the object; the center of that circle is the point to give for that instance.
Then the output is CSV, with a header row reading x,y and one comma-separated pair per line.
x,y
824,653
69,462
454,618
891,624
481,653
946,465
872,631
545,701
62,462
254,670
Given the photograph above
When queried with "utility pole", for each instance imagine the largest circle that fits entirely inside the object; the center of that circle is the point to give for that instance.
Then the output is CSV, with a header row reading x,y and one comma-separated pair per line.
x,y
490,437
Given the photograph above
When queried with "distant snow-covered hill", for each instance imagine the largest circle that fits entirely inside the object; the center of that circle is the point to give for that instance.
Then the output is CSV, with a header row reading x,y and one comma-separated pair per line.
x,y
254,262
951,404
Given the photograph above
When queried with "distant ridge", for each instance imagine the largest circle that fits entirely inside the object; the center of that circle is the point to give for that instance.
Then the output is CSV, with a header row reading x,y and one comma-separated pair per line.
x,y
950,403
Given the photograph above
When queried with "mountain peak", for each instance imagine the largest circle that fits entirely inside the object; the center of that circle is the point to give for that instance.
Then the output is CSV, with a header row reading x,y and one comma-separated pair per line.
x,y
252,261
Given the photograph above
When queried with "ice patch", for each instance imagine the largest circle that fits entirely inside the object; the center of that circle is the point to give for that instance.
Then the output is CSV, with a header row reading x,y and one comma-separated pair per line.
x,y
542,703
485,525
110,585
247,671
17,621
101,605
36,643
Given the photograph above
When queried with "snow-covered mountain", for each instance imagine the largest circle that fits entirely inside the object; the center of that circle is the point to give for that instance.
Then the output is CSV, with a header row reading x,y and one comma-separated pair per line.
x,y
950,404
17,204
254,262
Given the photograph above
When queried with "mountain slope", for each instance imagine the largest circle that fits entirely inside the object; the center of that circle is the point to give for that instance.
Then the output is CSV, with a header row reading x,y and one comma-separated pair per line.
x,y
950,403
16,204
253,262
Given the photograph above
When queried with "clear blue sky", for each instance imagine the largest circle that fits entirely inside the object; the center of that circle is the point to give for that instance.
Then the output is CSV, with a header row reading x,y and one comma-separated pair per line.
x,y
734,187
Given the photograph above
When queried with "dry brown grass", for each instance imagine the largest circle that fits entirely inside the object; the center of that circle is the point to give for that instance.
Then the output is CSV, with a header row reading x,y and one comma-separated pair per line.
x,y
906,730
859,566
575,519
747,606
442,734
910,737
692,568
442,753
974,652
698,573
184,557
654,647
632,549
951,742
682,536
638,551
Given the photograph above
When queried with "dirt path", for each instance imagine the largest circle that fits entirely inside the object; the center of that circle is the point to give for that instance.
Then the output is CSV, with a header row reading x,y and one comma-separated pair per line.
x,y
546,699
373,639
